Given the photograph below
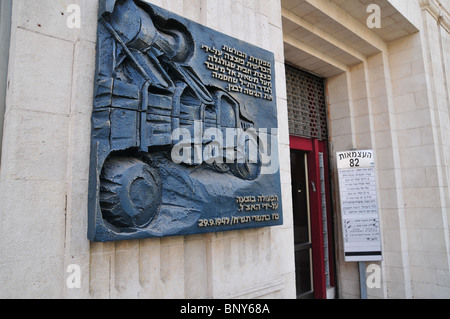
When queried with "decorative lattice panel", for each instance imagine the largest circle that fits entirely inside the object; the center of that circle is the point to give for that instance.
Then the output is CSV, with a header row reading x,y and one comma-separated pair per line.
x,y
306,104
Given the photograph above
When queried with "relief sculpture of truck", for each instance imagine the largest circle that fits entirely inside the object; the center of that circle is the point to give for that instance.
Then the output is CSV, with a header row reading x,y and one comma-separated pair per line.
x,y
145,90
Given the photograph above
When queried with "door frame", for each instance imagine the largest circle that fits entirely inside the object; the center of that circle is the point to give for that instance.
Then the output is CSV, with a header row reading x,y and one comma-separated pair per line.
x,y
313,147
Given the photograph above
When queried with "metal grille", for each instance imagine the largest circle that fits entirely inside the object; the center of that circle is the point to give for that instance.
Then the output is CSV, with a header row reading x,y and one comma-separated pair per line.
x,y
306,104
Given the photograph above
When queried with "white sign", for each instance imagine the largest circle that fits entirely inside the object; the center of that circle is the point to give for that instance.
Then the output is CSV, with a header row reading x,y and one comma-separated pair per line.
x,y
359,206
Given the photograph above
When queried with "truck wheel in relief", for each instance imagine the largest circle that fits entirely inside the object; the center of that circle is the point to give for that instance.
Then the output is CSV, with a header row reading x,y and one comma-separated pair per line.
x,y
130,192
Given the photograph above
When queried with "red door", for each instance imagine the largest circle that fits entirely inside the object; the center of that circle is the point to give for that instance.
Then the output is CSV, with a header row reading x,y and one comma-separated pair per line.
x,y
312,217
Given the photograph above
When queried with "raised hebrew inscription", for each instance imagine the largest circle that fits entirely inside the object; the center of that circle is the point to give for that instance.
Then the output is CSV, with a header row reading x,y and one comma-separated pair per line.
x,y
242,73
184,128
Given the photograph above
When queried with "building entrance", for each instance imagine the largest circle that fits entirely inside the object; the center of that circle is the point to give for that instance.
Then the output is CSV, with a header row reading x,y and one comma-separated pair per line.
x,y
310,185
313,236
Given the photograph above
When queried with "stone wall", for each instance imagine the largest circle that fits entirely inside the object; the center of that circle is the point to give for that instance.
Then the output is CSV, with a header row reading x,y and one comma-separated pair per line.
x,y
396,102
44,173
5,31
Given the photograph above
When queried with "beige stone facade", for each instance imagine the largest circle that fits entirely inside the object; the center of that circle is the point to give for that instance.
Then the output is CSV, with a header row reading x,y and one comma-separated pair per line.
x,y
388,89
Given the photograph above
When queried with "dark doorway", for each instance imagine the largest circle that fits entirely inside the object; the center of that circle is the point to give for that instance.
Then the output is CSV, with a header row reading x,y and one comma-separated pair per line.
x,y
302,225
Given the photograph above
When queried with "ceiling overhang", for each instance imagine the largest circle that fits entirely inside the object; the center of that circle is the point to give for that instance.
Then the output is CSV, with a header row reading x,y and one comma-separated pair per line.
x,y
329,37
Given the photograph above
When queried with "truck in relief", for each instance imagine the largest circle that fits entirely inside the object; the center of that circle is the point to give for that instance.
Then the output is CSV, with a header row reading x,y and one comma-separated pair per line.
x,y
145,90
